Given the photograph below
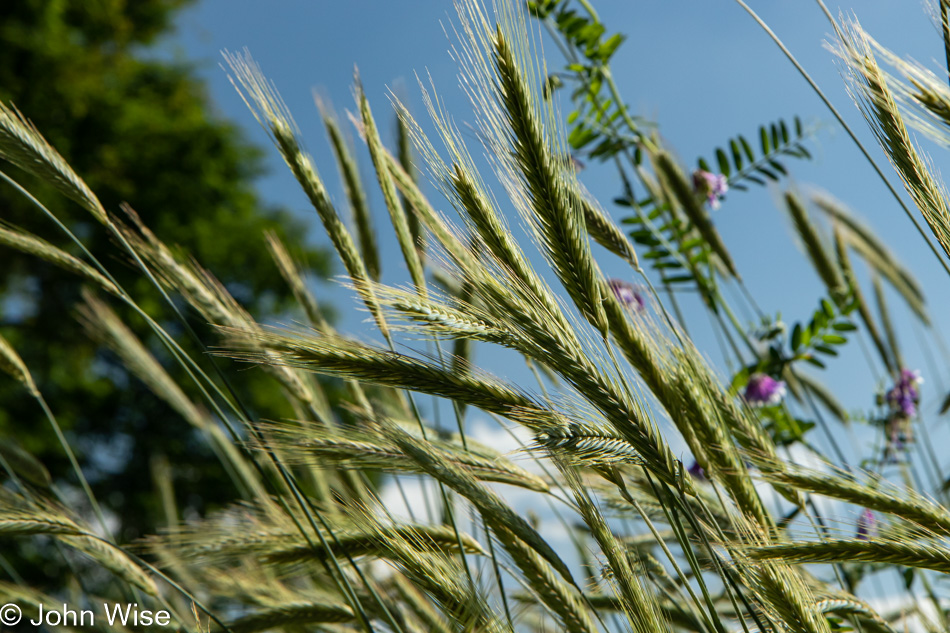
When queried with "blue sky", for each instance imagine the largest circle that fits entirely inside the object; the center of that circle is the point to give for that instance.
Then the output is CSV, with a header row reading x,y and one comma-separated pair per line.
x,y
702,70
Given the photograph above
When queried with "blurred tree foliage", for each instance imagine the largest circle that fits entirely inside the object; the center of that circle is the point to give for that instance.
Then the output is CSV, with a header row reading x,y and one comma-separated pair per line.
x,y
139,130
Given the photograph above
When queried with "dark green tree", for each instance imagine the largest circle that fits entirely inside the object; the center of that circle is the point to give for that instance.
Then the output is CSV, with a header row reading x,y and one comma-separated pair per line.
x,y
139,131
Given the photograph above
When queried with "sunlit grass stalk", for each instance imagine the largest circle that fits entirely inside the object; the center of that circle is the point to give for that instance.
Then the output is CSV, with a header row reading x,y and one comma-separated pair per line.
x,y
640,607
497,237
106,327
701,418
606,233
870,492
404,151
875,253
864,152
553,592
352,184
32,245
462,347
360,449
410,250
815,246
595,422
291,614
492,507
416,602
11,363
864,311
878,104
273,116
890,333
35,139
923,555
560,220
23,145
36,146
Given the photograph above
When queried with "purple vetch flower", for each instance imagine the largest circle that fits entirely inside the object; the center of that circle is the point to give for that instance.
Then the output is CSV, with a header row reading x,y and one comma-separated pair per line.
x,y
904,395
628,294
697,472
712,186
763,390
867,525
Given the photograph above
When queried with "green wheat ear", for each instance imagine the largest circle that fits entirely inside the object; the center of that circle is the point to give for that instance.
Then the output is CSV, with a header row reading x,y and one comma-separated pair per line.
x,y
878,256
353,186
680,187
23,145
397,213
271,112
32,245
871,89
815,246
12,364
844,260
557,215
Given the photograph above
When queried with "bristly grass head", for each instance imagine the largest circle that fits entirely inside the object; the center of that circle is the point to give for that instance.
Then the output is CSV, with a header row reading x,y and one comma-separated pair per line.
x,y
871,89
860,237
23,145
12,364
262,99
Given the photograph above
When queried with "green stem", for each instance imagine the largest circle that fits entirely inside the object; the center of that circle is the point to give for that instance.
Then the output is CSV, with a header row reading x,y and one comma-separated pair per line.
x,y
73,462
